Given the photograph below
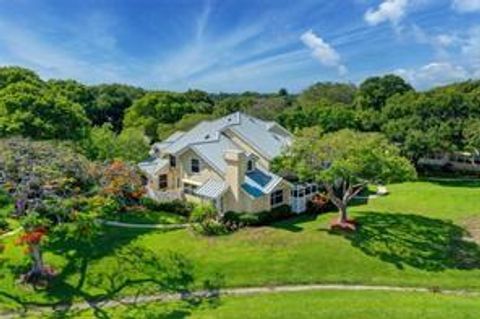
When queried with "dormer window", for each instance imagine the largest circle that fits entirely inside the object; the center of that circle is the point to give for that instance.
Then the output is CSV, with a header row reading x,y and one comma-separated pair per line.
x,y
250,165
195,165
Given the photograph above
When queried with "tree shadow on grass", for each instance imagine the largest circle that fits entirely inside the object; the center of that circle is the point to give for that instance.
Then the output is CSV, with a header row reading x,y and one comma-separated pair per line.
x,y
132,270
413,240
294,224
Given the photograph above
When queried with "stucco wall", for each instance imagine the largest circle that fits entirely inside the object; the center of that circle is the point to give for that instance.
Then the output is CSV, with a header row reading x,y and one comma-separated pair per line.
x,y
254,205
263,161
184,167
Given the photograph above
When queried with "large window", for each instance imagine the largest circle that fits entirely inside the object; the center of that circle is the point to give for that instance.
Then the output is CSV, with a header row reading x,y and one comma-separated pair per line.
x,y
308,190
189,188
276,198
250,165
173,161
195,165
162,181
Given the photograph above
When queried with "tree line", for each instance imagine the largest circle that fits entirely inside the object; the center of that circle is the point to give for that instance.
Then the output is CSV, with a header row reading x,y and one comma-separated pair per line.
x,y
120,121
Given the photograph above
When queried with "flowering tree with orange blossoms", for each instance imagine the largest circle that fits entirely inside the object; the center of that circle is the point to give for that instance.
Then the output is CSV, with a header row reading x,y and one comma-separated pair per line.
x,y
122,182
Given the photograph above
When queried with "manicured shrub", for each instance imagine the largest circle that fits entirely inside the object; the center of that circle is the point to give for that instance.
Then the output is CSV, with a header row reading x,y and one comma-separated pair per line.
x,y
259,219
206,221
212,227
178,207
5,199
202,213
3,225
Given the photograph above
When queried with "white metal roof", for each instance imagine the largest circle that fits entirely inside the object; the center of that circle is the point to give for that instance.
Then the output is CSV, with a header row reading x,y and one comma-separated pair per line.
x,y
212,189
255,132
153,165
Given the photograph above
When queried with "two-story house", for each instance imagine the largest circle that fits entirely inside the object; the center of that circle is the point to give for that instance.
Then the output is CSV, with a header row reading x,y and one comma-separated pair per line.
x,y
227,162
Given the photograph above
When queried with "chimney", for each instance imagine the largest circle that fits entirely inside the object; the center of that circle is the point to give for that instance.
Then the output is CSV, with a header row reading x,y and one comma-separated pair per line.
x,y
236,168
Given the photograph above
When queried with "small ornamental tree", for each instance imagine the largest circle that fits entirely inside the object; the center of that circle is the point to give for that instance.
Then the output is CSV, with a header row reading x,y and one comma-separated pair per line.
x,y
123,183
344,162
35,229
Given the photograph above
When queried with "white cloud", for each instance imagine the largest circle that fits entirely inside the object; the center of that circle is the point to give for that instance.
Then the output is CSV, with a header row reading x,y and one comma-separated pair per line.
x,y
470,48
323,51
388,10
434,74
466,5
457,58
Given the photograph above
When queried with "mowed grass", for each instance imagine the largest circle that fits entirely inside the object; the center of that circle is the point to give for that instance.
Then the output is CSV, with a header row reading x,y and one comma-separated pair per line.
x,y
412,237
150,217
325,304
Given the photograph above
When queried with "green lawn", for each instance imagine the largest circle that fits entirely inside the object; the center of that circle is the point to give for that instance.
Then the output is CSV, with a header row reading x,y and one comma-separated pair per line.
x,y
326,304
412,237
150,217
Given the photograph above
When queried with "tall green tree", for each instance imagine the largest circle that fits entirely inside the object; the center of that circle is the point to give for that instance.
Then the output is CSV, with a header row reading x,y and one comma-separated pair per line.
x,y
472,135
156,108
14,74
372,95
344,162
132,145
34,111
374,92
110,103
104,144
202,102
330,116
328,92
428,123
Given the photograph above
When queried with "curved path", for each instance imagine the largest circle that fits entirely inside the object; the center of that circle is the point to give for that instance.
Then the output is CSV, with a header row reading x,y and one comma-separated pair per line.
x,y
266,290
244,291
11,233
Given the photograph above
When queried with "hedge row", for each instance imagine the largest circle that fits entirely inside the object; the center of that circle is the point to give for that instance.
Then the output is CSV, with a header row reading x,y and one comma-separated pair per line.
x,y
259,219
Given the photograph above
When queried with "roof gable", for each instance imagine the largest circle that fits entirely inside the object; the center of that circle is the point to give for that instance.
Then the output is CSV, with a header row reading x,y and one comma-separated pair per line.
x,y
208,140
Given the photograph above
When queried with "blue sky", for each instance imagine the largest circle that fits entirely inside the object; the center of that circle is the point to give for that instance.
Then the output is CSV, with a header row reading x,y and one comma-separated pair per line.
x,y
238,45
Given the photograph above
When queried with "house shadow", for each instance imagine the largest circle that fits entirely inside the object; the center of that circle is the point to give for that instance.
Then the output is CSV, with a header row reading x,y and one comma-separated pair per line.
x,y
466,183
415,241
294,224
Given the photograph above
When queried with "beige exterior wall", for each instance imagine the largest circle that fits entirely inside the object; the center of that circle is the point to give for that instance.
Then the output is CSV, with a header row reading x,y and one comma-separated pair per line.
x,y
247,203
185,173
263,161
235,199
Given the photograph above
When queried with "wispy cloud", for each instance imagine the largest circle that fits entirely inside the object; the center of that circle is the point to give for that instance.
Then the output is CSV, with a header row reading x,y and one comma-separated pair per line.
x,y
466,5
241,45
323,52
203,19
458,57
262,73
435,73
28,49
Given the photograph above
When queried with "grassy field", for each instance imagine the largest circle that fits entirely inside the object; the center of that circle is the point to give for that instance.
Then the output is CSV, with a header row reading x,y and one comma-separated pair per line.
x,y
413,237
326,304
